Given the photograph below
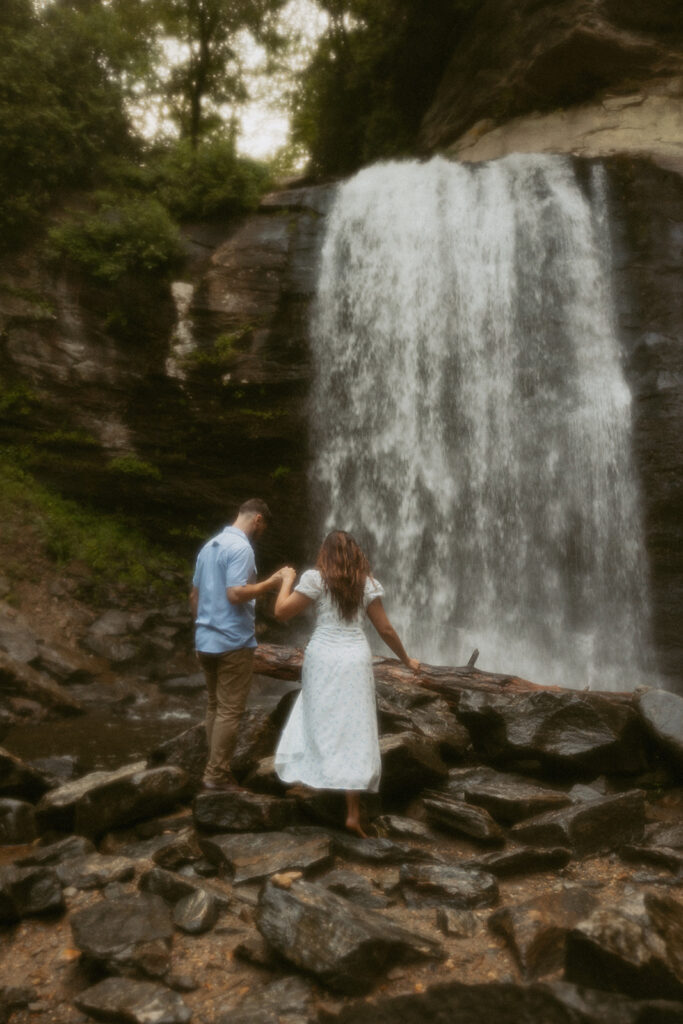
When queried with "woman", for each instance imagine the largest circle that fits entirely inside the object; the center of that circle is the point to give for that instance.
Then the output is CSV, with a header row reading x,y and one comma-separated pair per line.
x,y
330,739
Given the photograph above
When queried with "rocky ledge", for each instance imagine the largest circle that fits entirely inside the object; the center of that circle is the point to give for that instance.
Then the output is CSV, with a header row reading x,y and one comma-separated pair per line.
x,y
524,861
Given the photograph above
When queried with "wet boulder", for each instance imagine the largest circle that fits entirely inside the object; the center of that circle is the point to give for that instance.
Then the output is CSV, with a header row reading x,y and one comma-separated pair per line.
x,y
17,822
507,797
285,1001
131,936
129,798
635,947
188,750
457,816
28,891
253,856
662,845
57,809
345,946
409,763
133,1002
536,929
55,853
94,871
240,811
196,913
568,731
17,639
520,860
182,849
112,636
662,713
447,885
355,888
597,826
172,887
18,779
435,721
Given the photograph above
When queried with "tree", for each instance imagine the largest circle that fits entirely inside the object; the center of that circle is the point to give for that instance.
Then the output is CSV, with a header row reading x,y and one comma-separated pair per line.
x,y
210,72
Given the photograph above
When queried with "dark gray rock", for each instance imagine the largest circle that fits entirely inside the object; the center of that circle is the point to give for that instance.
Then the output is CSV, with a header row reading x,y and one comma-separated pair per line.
x,y
252,856
604,824
133,1002
57,769
239,811
54,853
18,779
457,816
345,946
434,722
520,860
126,799
402,828
409,763
503,1003
14,997
130,936
196,914
355,888
28,891
536,929
460,923
264,779
256,739
376,851
563,730
507,797
17,639
286,1001
57,809
94,871
635,947
172,887
17,822
189,751
182,849
63,665
447,885
20,680
662,713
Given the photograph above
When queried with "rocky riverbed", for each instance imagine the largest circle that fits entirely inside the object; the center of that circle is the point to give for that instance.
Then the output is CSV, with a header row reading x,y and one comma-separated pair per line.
x,y
525,859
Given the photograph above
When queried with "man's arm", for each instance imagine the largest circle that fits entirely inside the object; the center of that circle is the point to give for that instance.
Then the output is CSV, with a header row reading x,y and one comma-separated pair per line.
x,y
248,591
194,602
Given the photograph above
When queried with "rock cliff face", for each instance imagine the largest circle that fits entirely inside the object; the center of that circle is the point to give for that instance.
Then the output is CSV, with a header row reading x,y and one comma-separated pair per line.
x,y
535,55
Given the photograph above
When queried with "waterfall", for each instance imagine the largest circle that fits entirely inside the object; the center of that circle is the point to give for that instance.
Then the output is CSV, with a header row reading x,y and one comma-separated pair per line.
x,y
471,423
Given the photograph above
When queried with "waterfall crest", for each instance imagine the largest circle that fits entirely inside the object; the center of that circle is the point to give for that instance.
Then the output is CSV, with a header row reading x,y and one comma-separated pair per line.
x,y
470,419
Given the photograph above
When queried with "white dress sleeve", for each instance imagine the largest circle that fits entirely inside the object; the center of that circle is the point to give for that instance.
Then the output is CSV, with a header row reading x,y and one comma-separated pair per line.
x,y
310,584
373,589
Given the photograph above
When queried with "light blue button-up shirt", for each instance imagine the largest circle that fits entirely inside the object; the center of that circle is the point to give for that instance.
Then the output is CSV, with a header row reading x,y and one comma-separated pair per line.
x,y
226,560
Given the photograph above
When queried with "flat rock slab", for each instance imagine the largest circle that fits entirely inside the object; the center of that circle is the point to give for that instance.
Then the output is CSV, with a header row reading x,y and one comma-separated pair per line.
x,y
402,828
21,680
457,816
256,855
131,936
239,811
286,1000
125,800
133,1002
503,1003
522,860
507,797
172,887
57,809
447,885
662,713
563,730
25,892
635,947
601,825
17,822
536,929
94,871
18,779
54,853
409,763
345,946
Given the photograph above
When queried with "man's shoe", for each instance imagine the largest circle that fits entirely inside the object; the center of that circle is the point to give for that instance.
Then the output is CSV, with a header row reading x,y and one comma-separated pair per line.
x,y
227,785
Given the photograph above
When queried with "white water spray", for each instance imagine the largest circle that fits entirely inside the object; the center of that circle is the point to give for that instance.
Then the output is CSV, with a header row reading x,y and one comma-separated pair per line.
x,y
471,422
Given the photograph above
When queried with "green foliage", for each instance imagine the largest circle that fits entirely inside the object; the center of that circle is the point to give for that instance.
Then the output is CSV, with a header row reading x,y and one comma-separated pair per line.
x,y
281,473
371,80
222,354
108,546
129,235
131,465
17,400
210,181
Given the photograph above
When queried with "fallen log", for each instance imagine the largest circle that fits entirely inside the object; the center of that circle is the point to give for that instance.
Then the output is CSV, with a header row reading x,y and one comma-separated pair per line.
x,y
285,663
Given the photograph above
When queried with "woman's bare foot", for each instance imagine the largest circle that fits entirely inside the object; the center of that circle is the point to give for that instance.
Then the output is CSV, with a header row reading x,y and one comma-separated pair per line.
x,y
353,825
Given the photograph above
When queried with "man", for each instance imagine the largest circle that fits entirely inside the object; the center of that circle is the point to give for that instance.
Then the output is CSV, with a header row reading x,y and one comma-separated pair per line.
x,y
222,602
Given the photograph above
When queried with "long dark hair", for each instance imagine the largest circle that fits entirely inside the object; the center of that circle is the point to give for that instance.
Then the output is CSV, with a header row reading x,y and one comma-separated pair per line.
x,y
344,569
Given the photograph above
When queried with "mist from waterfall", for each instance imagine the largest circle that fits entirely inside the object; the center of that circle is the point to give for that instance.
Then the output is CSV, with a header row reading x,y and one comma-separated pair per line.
x,y
471,424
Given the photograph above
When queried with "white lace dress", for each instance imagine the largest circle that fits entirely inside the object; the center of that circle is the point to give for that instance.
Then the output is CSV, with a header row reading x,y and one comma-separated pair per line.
x,y
330,740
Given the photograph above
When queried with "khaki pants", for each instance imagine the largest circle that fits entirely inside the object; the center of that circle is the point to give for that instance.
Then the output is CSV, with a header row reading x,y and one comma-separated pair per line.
x,y
228,679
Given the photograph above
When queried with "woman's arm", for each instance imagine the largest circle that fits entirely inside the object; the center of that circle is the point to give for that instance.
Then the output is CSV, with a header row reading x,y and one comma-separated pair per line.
x,y
378,617
289,603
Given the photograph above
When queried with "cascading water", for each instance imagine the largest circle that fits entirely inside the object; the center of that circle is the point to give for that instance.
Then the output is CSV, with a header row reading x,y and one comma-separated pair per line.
x,y
470,419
